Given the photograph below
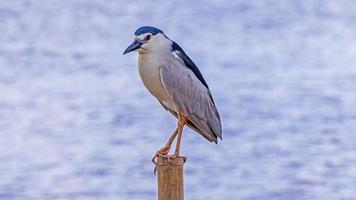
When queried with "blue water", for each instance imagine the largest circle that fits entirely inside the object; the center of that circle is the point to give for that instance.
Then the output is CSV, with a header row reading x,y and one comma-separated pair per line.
x,y
77,123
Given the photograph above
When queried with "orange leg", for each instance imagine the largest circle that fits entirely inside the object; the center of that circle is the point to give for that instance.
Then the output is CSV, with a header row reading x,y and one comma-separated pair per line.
x,y
167,147
181,122
165,150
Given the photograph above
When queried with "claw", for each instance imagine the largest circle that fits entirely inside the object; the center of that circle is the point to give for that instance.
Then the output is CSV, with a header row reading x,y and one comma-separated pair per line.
x,y
155,170
158,153
184,159
154,158
162,152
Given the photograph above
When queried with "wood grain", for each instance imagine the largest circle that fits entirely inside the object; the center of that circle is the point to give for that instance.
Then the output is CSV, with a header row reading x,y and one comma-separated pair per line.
x,y
170,178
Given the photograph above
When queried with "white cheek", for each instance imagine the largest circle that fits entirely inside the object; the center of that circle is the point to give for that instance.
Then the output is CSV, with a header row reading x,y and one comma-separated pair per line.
x,y
146,46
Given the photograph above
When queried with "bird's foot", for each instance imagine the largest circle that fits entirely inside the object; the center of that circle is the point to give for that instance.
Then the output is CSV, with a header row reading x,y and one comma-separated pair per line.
x,y
183,157
162,152
168,157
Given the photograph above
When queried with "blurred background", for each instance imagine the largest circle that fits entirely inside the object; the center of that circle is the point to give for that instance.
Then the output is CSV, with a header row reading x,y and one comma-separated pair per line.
x,y
77,123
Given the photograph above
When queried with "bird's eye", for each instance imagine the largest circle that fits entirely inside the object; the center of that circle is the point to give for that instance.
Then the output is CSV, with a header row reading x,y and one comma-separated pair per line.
x,y
148,37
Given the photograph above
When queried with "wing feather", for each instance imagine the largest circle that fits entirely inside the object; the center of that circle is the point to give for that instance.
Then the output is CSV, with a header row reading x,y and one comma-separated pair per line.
x,y
193,100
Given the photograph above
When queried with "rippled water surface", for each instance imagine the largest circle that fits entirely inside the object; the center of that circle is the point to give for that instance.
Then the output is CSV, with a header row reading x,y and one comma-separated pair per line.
x,y
77,123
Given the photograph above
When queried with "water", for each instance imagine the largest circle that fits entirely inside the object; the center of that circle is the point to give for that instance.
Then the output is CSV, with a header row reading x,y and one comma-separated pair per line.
x,y
77,123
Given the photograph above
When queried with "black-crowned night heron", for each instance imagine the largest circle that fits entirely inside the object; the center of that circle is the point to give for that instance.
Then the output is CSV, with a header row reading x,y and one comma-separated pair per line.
x,y
172,77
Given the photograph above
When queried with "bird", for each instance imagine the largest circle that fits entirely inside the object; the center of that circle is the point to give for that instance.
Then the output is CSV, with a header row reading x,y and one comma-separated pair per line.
x,y
178,85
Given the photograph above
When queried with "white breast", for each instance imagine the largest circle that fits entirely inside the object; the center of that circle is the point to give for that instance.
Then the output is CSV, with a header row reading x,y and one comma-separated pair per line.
x,y
149,69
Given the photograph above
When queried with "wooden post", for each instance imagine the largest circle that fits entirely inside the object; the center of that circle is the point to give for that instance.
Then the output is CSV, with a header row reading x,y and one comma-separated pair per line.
x,y
170,178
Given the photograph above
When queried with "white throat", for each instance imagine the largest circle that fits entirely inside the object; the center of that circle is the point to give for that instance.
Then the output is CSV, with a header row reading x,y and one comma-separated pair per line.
x,y
151,58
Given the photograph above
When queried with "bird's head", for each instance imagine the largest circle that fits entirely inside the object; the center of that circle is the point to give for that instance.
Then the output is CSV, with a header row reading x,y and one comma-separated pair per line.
x,y
149,39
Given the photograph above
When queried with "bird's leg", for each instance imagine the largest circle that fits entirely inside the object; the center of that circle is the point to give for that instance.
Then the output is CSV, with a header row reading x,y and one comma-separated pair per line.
x,y
181,122
165,150
168,145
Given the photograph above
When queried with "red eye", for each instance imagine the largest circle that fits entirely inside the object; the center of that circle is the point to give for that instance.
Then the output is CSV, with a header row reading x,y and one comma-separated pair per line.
x,y
148,37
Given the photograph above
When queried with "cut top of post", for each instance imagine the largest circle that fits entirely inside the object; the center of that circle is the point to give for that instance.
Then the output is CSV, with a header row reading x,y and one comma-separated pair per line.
x,y
162,161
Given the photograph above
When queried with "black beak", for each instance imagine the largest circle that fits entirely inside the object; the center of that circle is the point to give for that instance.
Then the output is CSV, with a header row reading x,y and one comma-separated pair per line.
x,y
135,45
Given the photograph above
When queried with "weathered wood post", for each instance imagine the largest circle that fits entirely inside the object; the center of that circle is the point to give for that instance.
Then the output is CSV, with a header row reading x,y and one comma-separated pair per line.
x,y
170,178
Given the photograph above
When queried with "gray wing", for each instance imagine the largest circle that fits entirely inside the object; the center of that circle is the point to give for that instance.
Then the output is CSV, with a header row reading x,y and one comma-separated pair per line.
x,y
193,100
